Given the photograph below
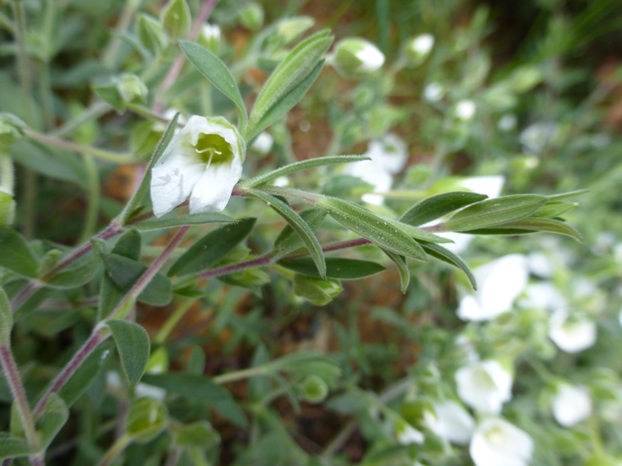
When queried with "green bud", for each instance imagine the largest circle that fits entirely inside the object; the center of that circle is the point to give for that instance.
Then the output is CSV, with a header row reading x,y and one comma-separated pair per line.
x,y
417,411
11,129
251,16
354,57
158,361
176,18
210,37
151,35
249,278
290,29
109,92
319,292
6,319
131,88
146,419
314,389
7,208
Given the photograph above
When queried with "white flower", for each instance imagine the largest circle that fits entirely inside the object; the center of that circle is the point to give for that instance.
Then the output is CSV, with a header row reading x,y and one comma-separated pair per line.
x,y
407,434
422,44
281,181
484,385
536,137
465,109
388,157
144,390
571,404
263,143
543,295
498,443
210,37
356,57
571,334
433,92
203,161
499,284
452,422
540,265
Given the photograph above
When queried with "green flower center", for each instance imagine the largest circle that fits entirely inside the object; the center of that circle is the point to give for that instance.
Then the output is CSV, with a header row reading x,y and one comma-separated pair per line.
x,y
213,148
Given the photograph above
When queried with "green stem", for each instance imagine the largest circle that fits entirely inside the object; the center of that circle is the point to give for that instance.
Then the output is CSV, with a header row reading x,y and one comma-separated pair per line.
x,y
19,395
100,153
6,173
47,98
92,210
97,109
172,321
114,45
115,450
243,374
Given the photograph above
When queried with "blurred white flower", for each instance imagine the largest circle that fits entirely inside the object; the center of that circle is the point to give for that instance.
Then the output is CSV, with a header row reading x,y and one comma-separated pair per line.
x,y
537,136
263,143
407,434
144,390
465,109
418,48
160,126
571,404
571,334
499,283
452,422
498,443
484,385
356,57
507,122
210,37
433,92
540,265
543,295
203,161
281,181
467,348
388,157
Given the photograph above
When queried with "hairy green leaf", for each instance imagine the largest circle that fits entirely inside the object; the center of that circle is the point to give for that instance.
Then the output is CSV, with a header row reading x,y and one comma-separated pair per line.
x,y
17,255
171,221
133,345
439,205
445,255
289,241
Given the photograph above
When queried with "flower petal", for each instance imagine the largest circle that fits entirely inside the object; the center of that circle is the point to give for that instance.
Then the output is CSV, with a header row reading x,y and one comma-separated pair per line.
x,y
499,443
172,180
213,190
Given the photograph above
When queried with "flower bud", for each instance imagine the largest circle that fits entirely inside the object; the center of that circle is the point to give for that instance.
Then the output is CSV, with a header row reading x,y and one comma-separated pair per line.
x,y
289,29
251,16
151,35
433,92
314,389
418,48
146,419
263,143
7,207
210,37
465,110
131,88
354,57
176,18
319,292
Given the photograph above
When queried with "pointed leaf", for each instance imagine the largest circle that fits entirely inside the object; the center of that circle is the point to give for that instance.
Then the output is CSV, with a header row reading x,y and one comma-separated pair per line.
x,y
133,345
447,256
17,255
300,227
302,165
212,248
494,211
218,74
418,233
146,418
554,209
171,221
201,388
402,268
382,233
6,319
51,420
531,225
77,274
288,240
11,447
337,268
439,205
559,197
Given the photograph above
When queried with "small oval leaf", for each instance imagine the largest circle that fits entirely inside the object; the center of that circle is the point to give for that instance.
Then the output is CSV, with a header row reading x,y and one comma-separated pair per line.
x,y
133,345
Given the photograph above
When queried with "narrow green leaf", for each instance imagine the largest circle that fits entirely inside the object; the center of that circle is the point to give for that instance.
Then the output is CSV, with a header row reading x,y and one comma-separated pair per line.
x,y
439,205
302,165
494,211
402,268
382,233
199,434
171,221
286,103
133,345
125,272
17,254
559,197
288,241
77,274
418,233
337,268
201,388
295,69
51,420
554,209
300,227
531,225
218,74
11,447
212,248
447,256
86,373
6,319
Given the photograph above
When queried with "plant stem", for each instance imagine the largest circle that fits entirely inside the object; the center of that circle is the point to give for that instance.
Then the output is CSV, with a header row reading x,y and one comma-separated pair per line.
x,y
112,50
94,111
243,374
225,269
173,320
100,153
92,209
19,395
115,450
173,72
